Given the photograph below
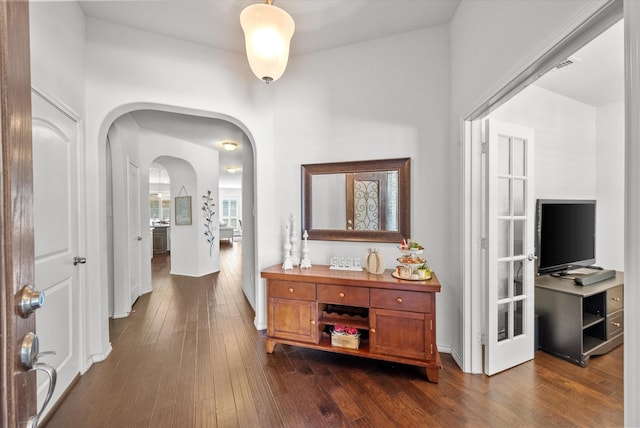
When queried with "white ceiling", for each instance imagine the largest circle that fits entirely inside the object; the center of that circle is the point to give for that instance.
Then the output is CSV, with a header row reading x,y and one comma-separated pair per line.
x,y
320,24
204,131
597,75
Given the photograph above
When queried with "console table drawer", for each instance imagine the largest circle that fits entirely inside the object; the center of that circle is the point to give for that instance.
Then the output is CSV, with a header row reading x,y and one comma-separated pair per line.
x,y
343,295
401,300
292,290
614,299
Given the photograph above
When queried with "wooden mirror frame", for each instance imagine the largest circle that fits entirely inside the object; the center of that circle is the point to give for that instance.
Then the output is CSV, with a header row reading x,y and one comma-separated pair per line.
x,y
402,165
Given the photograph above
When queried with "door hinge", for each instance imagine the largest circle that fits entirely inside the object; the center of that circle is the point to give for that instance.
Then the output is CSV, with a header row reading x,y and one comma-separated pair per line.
x,y
484,148
430,324
483,339
484,243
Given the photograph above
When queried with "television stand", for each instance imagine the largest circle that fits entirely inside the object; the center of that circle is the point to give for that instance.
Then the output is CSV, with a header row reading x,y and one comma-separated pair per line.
x,y
577,322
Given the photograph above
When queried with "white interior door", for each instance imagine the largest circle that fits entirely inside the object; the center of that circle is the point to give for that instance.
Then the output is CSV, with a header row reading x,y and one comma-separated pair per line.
x,y
56,214
135,237
510,223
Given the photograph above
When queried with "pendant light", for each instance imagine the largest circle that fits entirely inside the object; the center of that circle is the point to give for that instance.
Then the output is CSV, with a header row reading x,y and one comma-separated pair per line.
x,y
267,34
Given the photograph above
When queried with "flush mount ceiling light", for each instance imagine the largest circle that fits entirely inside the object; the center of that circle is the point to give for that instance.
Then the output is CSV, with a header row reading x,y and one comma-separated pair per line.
x,y
267,33
229,146
232,169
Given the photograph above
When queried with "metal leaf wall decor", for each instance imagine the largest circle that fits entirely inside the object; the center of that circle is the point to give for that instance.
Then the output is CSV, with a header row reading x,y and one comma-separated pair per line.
x,y
207,212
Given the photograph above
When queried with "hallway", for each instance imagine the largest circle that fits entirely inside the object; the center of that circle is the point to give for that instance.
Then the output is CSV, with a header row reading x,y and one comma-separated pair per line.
x,y
189,356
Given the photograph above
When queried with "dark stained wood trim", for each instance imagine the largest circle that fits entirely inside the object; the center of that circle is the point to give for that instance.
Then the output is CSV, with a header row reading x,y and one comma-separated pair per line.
x,y
18,388
402,165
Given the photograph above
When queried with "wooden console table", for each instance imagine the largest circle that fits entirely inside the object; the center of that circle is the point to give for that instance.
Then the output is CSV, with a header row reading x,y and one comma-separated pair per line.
x,y
399,316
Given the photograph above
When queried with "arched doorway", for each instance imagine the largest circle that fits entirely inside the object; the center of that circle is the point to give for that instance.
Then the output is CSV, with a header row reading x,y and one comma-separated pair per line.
x,y
153,133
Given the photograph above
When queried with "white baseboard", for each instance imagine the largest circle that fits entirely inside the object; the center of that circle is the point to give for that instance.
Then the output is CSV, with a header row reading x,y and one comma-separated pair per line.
x,y
259,325
120,315
172,272
96,358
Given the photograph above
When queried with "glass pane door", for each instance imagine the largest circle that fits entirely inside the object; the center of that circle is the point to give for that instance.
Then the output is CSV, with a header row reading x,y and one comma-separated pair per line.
x,y
510,228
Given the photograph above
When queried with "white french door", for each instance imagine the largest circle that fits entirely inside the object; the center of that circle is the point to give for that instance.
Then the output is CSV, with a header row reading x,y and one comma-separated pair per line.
x,y
509,233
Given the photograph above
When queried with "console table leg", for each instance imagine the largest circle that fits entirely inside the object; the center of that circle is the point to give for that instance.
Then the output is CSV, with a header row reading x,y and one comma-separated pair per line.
x,y
270,345
432,374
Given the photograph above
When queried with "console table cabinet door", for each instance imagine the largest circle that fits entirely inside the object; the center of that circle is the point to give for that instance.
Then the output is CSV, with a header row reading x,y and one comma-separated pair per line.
x,y
292,320
401,334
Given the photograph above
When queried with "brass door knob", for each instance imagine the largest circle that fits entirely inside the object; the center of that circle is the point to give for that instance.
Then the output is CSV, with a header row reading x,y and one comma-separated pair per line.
x,y
373,330
341,295
290,290
313,322
399,300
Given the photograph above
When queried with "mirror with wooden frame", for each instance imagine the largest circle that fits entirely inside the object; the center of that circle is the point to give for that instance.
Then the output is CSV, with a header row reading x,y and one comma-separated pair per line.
x,y
357,201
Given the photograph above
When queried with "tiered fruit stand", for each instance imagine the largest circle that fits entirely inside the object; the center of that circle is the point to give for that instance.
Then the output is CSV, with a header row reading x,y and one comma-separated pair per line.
x,y
412,267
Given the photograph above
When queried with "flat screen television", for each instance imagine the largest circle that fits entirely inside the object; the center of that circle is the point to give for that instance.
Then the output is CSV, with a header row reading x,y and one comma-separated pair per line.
x,y
565,234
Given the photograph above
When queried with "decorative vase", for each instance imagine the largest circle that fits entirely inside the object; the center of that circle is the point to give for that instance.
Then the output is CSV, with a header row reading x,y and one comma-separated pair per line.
x,y
375,262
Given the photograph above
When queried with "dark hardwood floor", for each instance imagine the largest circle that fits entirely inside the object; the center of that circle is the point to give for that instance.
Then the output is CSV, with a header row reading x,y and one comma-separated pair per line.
x,y
190,356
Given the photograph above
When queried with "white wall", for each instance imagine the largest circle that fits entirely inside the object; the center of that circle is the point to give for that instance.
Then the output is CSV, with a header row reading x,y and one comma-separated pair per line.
x,y
610,158
196,168
565,141
386,98
57,31
128,70
249,264
125,148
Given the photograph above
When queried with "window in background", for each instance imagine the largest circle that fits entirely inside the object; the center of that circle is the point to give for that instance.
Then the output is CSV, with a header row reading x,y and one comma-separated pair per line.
x,y
159,207
229,214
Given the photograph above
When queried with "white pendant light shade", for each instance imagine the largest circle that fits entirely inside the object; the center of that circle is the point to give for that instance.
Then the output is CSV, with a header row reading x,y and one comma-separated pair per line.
x,y
267,34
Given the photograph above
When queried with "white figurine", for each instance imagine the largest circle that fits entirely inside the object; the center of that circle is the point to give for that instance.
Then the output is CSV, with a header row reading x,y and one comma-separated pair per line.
x,y
305,263
287,265
295,257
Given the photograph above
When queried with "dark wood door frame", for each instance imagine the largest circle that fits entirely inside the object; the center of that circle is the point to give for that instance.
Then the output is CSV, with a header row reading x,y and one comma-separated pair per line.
x,y
17,387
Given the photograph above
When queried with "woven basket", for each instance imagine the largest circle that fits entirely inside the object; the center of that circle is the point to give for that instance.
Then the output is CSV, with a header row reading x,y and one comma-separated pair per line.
x,y
345,340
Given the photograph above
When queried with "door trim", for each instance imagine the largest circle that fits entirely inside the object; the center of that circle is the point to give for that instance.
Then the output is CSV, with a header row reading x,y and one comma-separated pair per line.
x,y
632,213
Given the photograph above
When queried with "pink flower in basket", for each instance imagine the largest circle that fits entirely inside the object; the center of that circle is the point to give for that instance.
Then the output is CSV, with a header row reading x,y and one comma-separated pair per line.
x,y
339,329
351,331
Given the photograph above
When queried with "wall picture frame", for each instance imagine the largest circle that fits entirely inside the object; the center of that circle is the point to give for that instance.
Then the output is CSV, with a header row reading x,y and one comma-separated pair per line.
x,y
182,210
